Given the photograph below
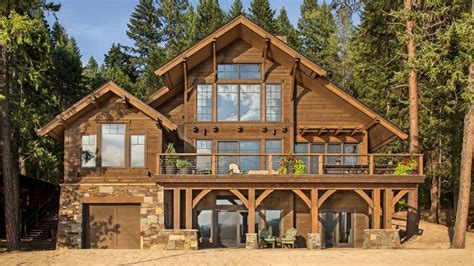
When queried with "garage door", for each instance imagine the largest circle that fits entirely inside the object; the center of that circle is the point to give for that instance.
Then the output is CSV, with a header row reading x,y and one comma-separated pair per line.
x,y
113,226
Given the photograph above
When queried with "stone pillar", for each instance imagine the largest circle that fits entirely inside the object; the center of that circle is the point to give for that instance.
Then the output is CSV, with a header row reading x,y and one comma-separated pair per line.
x,y
382,239
313,241
251,241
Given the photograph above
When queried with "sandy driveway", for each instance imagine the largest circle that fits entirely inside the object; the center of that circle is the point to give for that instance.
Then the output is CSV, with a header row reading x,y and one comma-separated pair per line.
x,y
243,257
429,249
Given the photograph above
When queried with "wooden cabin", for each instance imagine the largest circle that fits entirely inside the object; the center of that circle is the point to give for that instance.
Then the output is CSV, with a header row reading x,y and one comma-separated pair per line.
x,y
246,140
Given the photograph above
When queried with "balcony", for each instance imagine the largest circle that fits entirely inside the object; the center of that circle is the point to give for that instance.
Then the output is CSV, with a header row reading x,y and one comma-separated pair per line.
x,y
259,167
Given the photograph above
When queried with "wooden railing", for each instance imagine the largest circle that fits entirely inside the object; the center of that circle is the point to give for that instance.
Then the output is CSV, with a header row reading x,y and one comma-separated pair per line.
x,y
269,163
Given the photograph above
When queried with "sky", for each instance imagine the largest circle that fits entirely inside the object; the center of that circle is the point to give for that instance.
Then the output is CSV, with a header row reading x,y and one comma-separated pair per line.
x,y
97,24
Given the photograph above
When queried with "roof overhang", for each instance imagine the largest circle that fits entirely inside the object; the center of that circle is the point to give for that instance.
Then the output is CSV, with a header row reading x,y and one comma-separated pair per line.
x,y
55,128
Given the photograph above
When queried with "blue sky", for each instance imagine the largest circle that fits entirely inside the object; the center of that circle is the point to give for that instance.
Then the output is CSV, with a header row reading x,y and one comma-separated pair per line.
x,y
96,24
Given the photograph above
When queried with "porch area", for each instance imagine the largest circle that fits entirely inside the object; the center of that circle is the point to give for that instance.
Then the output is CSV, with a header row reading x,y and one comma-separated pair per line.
x,y
261,215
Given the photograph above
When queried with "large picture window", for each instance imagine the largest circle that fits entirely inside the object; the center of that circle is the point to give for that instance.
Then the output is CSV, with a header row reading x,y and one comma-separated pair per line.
x,y
244,162
238,102
88,152
274,146
238,71
113,145
204,102
137,150
273,102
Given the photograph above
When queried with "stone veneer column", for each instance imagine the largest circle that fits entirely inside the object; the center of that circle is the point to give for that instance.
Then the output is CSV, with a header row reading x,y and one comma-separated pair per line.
x,y
251,241
313,241
382,239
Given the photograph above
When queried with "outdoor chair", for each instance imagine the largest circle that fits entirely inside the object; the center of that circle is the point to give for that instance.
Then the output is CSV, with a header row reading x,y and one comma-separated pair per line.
x,y
264,239
234,169
289,238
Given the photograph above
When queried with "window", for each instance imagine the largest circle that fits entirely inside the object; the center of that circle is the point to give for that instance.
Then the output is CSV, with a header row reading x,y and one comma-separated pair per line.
x,y
316,148
274,146
273,221
204,102
249,102
348,149
238,102
203,162
334,148
249,71
227,102
302,148
137,150
244,162
273,102
88,152
113,145
238,71
227,71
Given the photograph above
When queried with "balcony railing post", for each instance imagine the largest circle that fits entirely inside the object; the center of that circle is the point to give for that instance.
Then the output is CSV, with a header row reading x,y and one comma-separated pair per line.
x,y
213,164
158,165
420,164
270,164
371,164
320,164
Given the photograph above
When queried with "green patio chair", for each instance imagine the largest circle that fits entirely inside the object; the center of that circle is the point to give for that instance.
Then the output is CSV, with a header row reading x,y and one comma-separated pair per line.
x,y
264,239
289,238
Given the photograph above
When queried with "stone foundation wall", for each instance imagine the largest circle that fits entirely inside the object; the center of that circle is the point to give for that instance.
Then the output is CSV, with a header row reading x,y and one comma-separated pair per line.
x,y
70,231
382,239
313,241
183,239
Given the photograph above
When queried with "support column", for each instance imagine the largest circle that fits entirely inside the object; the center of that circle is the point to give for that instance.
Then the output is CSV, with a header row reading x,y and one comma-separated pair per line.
x,y
176,210
376,210
189,208
251,237
251,209
387,209
412,216
314,211
313,241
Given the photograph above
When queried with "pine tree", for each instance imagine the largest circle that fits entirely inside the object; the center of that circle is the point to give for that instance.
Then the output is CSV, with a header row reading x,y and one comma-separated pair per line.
x,y
145,29
119,58
318,37
172,15
263,15
235,10
210,17
191,30
285,28
92,75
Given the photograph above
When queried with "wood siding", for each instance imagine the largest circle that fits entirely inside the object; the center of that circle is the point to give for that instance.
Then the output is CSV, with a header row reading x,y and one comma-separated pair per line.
x,y
111,111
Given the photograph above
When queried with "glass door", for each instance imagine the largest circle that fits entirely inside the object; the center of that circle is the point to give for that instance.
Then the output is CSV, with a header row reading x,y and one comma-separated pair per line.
x,y
227,228
337,229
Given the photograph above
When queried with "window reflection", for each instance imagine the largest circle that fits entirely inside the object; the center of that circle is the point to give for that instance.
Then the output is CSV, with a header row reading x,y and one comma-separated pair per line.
x,y
88,153
227,102
113,145
137,150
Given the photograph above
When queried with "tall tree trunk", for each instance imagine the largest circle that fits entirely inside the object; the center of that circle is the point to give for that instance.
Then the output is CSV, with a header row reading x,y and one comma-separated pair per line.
x,y
462,211
11,211
434,199
459,237
413,216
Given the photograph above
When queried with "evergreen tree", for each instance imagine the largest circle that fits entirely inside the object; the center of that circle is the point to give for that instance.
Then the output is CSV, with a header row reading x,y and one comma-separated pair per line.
x,y
235,10
318,34
173,18
343,75
263,15
92,75
118,58
65,76
145,29
210,17
285,28
191,30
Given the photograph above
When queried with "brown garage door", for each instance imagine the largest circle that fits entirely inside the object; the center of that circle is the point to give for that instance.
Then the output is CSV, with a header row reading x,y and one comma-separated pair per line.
x,y
112,226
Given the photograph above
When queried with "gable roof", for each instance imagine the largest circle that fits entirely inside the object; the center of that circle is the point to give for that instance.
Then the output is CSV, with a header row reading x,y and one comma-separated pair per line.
x,y
55,128
243,28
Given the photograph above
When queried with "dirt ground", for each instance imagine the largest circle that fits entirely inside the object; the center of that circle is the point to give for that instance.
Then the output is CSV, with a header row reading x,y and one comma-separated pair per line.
x,y
429,249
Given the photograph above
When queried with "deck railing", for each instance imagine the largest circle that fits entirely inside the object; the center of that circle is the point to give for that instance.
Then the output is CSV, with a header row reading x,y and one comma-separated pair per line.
x,y
269,164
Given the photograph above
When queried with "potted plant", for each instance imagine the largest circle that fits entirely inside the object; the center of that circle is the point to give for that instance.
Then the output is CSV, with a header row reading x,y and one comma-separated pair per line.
x,y
184,166
170,160
289,164
406,166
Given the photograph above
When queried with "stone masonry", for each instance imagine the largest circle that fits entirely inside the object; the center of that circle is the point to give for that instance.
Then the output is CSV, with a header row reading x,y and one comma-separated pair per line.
x,y
382,239
313,241
71,210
